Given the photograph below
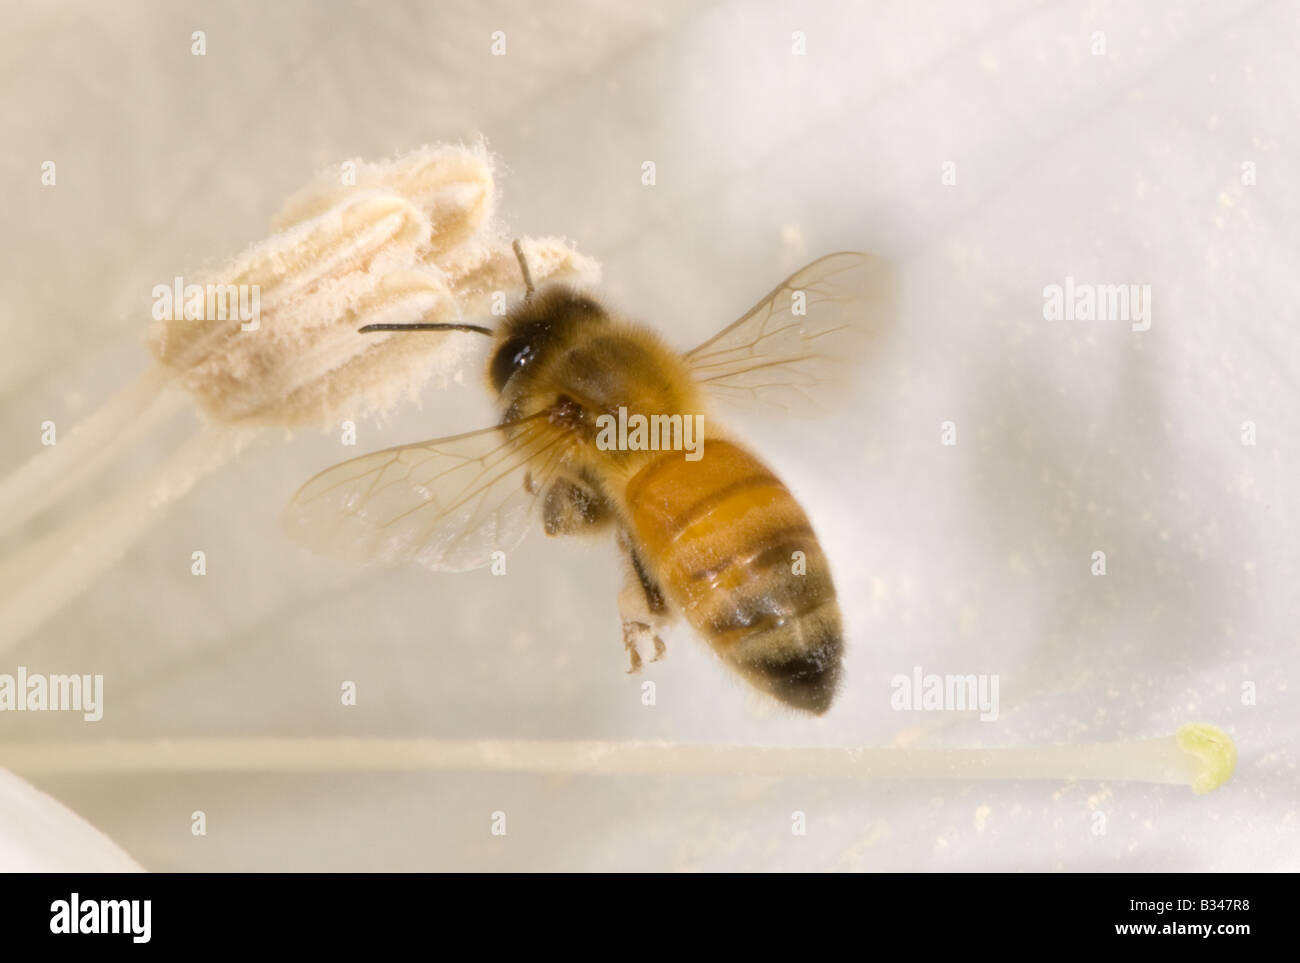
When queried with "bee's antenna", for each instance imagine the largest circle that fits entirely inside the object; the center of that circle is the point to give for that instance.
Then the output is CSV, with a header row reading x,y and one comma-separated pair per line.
x,y
523,269
425,326
477,329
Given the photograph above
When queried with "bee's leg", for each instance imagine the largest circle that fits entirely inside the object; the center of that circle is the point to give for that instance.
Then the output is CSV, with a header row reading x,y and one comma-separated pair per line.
x,y
641,606
570,507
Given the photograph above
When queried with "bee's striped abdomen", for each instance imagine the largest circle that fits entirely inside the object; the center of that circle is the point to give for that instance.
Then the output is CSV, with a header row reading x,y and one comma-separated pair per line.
x,y
735,552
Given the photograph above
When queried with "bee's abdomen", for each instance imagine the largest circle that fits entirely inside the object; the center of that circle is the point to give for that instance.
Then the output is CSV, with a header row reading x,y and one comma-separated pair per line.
x,y
733,549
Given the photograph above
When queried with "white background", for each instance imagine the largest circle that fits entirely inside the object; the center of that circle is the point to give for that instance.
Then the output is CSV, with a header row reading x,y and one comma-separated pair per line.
x,y
1073,437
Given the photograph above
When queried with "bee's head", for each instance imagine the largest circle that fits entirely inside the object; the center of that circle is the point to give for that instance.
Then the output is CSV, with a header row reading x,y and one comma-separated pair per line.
x,y
545,319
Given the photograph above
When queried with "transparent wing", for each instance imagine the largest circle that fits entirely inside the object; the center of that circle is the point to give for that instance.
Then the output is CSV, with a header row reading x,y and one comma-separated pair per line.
x,y
447,504
790,362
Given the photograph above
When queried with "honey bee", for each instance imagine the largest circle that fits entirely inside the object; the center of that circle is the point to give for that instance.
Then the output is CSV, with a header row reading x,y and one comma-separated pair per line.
x,y
713,535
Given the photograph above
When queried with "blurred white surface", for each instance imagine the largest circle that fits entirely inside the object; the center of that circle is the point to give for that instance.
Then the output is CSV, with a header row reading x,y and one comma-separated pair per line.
x,y
39,835
1073,437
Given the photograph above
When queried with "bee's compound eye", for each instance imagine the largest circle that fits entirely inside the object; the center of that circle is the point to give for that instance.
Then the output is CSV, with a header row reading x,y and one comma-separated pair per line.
x,y
510,357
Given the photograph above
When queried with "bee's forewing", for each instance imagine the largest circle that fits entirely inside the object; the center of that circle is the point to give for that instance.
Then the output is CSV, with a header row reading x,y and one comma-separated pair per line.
x,y
797,346
447,504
